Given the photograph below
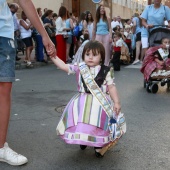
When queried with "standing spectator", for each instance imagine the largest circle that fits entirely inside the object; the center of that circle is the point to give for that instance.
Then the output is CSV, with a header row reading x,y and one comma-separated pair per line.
x,y
26,33
7,72
82,23
137,25
114,23
69,25
61,31
89,20
39,43
154,14
14,8
50,28
102,31
118,19
44,15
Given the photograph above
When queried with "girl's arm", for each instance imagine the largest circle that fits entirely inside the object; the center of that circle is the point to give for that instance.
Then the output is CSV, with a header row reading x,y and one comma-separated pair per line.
x,y
59,63
159,61
114,96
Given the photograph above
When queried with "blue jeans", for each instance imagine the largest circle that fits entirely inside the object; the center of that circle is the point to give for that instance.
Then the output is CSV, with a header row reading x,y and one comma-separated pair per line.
x,y
39,48
7,59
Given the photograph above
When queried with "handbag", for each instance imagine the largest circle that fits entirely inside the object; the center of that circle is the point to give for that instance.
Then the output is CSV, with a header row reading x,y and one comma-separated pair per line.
x,y
50,32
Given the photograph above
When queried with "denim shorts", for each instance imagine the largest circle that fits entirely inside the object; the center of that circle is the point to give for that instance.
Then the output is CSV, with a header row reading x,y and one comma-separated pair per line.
x,y
7,60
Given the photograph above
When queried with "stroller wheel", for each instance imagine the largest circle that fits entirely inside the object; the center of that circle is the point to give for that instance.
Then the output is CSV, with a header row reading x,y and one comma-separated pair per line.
x,y
154,88
148,88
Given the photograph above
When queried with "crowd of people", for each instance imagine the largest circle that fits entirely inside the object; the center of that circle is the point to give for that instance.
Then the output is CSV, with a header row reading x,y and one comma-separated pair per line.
x,y
100,42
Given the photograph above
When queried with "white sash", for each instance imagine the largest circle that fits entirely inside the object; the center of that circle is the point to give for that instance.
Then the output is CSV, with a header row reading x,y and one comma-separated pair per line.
x,y
117,125
163,54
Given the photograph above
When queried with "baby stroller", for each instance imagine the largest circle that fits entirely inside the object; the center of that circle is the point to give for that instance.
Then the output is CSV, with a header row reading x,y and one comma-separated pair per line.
x,y
151,79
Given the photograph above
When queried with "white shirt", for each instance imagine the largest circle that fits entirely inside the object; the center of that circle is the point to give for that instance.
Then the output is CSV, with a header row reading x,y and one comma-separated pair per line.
x,y
60,25
25,33
114,24
118,43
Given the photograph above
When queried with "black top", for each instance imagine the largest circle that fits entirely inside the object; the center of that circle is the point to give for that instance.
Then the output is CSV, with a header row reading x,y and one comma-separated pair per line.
x,y
99,79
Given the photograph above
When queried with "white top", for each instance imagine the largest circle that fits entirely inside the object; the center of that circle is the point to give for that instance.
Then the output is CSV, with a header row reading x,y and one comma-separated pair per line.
x,y
119,43
115,23
90,29
24,33
60,25
128,35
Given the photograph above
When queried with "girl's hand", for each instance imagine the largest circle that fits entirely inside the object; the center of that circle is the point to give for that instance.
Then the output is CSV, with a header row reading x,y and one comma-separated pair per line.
x,y
161,63
117,108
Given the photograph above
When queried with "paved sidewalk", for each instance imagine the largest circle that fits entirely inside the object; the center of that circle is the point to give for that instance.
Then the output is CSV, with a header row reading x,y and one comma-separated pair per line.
x,y
22,65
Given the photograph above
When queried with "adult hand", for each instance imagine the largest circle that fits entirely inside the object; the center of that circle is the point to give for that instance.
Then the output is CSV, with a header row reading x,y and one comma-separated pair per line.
x,y
49,46
149,26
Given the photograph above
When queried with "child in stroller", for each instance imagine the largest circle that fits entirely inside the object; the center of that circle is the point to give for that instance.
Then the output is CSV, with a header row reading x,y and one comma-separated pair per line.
x,y
156,65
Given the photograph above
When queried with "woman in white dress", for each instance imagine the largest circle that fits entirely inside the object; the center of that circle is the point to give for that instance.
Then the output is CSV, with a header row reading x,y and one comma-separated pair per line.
x,y
89,19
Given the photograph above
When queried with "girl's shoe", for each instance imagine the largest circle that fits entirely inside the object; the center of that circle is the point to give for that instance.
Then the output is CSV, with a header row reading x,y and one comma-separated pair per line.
x,y
97,149
83,147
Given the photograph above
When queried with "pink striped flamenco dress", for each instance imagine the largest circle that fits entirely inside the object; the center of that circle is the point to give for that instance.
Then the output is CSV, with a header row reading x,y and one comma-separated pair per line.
x,y
83,121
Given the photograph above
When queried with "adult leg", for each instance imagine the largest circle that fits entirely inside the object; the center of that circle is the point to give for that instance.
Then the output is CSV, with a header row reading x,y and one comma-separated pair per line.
x,y
138,52
67,51
5,105
106,44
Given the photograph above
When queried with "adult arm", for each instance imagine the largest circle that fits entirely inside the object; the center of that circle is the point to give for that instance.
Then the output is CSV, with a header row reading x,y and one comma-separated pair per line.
x,y
110,29
94,31
32,15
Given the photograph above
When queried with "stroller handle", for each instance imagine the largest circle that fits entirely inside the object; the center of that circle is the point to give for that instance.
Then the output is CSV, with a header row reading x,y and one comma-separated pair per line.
x,y
166,26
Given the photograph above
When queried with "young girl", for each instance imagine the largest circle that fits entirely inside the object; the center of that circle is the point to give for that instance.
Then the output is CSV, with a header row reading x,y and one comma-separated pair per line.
x,y
117,44
156,60
85,120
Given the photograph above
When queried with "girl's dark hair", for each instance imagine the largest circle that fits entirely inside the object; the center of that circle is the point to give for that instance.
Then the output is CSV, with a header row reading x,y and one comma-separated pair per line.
x,y
62,12
96,47
87,19
98,15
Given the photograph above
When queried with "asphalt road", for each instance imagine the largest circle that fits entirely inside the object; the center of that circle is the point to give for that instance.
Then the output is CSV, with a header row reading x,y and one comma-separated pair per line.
x,y
38,92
